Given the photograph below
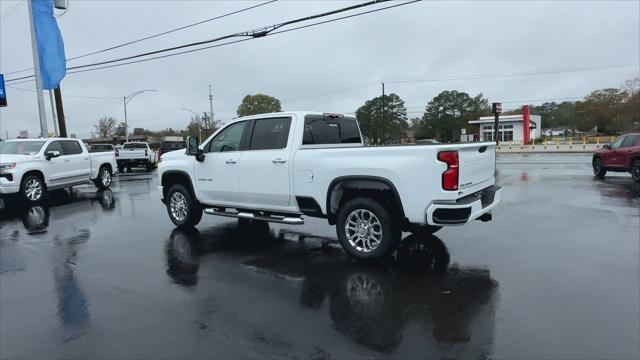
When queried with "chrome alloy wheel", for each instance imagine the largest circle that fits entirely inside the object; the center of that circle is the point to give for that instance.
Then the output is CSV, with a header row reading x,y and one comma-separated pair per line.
x,y
33,189
178,206
363,230
105,177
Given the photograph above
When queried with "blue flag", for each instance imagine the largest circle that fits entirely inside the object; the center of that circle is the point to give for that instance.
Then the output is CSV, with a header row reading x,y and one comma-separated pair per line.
x,y
53,64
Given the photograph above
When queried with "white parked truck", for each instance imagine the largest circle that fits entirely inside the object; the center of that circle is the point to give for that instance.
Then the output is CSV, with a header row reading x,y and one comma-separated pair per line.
x,y
135,154
279,167
33,166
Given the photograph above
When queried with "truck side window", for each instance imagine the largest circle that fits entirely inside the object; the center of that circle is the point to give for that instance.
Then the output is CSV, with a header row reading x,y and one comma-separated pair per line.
x,y
55,146
618,143
270,134
228,139
629,140
71,147
321,130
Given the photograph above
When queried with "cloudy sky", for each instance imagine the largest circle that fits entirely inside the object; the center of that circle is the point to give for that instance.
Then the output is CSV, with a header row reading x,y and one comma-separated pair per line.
x,y
471,46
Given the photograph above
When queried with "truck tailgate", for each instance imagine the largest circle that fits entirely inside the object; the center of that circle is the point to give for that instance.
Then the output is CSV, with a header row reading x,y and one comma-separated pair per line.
x,y
132,154
477,164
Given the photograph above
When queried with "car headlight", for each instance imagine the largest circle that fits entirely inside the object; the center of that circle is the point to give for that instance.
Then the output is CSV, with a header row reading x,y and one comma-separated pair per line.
x,y
7,166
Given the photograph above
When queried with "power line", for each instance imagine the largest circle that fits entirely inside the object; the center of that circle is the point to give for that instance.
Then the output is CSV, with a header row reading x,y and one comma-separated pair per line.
x,y
13,10
525,73
69,96
156,35
249,35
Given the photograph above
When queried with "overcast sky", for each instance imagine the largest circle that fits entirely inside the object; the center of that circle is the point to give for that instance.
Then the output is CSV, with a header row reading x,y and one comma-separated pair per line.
x,y
333,67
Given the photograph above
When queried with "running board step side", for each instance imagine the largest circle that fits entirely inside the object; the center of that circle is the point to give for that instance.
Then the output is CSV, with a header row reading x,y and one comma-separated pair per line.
x,y
252,216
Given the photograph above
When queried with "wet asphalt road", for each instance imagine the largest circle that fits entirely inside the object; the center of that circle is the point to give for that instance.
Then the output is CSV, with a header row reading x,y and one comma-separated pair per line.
x,y
556,274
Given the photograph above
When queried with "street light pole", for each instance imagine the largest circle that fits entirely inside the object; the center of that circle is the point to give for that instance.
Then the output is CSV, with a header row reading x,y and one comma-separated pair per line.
x,y
125,101
195,116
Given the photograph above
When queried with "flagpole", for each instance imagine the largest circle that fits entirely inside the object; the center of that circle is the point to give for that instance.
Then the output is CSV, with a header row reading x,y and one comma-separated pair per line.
x,y
44,132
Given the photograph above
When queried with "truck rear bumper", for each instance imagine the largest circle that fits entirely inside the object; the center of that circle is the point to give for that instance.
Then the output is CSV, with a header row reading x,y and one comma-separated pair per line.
x,y
465,209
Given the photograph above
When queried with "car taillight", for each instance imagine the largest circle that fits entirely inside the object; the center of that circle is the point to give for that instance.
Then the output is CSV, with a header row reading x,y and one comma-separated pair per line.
x,y
449,176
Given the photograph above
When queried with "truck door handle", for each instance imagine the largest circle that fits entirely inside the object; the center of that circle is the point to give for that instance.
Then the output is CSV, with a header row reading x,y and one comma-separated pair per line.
x,y
230,161
279,161
66,160
85,159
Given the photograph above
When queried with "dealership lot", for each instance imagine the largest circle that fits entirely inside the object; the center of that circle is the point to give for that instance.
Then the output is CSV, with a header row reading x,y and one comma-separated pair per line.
x,y
556,274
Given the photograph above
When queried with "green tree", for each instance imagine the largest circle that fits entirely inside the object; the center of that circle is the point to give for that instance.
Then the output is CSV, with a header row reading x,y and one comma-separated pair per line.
x,y
120,130
193,128
383,119
105,127
449,112
258,104
603,110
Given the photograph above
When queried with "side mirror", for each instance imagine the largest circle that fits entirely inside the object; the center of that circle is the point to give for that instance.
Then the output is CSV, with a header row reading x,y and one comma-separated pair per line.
x,y
192,145
193,149
606,146
51,154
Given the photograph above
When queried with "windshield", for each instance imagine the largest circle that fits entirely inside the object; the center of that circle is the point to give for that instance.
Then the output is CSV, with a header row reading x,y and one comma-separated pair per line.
x,y
21,147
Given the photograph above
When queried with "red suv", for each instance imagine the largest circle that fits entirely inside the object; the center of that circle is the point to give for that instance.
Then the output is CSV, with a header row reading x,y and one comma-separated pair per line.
x,y
623,155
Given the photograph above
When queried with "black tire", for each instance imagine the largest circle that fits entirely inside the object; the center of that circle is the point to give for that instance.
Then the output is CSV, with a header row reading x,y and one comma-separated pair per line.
x,y
192,209
598,168
149,166
128,169
424,229
104,179
29,189
388,229
635,171
121,169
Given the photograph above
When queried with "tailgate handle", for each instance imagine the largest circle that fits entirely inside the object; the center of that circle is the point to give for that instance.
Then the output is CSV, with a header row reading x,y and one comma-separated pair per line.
x,y
482,149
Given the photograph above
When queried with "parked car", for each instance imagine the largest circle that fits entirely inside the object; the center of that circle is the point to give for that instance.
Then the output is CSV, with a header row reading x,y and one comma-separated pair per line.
x,y
278,167
623,155
167,146
33,166
101,148
135,154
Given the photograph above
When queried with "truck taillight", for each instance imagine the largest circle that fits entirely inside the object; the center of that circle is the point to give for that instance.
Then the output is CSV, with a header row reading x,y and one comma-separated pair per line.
x,y
117,152
145,152
450,176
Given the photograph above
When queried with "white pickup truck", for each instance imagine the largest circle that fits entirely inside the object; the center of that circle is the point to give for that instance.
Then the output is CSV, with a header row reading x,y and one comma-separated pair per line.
x,y
135,154
33,166
278,167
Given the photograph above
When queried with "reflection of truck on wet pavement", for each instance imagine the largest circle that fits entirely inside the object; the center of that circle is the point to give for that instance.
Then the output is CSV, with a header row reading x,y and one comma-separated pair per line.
x,y
278,167
32,167
414,302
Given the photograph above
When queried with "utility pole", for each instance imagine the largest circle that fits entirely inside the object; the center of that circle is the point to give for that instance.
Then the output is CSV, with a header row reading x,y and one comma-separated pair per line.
x,y
62,125
211,106
44,132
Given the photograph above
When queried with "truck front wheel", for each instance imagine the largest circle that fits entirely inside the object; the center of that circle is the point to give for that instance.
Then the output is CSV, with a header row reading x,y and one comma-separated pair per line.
x,y
184,211
366,229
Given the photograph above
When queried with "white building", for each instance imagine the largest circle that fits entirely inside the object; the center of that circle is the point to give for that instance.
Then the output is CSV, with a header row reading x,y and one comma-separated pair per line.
x,y
511,128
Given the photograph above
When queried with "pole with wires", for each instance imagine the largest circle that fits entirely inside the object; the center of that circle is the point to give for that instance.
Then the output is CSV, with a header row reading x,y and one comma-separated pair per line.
x,y
44,132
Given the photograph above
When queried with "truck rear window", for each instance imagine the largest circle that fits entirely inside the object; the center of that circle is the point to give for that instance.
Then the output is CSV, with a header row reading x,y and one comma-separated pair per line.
x,y
320,129
134,146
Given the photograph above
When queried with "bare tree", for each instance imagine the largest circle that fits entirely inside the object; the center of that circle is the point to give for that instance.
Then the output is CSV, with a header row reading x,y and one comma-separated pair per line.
x,y
105,127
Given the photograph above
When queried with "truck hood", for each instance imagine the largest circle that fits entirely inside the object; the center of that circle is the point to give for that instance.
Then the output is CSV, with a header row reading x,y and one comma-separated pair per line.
x,y
10,158
173,154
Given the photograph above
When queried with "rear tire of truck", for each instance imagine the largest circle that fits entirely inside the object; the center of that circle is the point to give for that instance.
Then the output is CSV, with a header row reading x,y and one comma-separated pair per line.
x,y
149,166
183,209
635,171
598,168
104,179
366,230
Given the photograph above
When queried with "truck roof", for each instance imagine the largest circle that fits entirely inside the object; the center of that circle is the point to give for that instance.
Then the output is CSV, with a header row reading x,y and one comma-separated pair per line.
x,y
288,113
